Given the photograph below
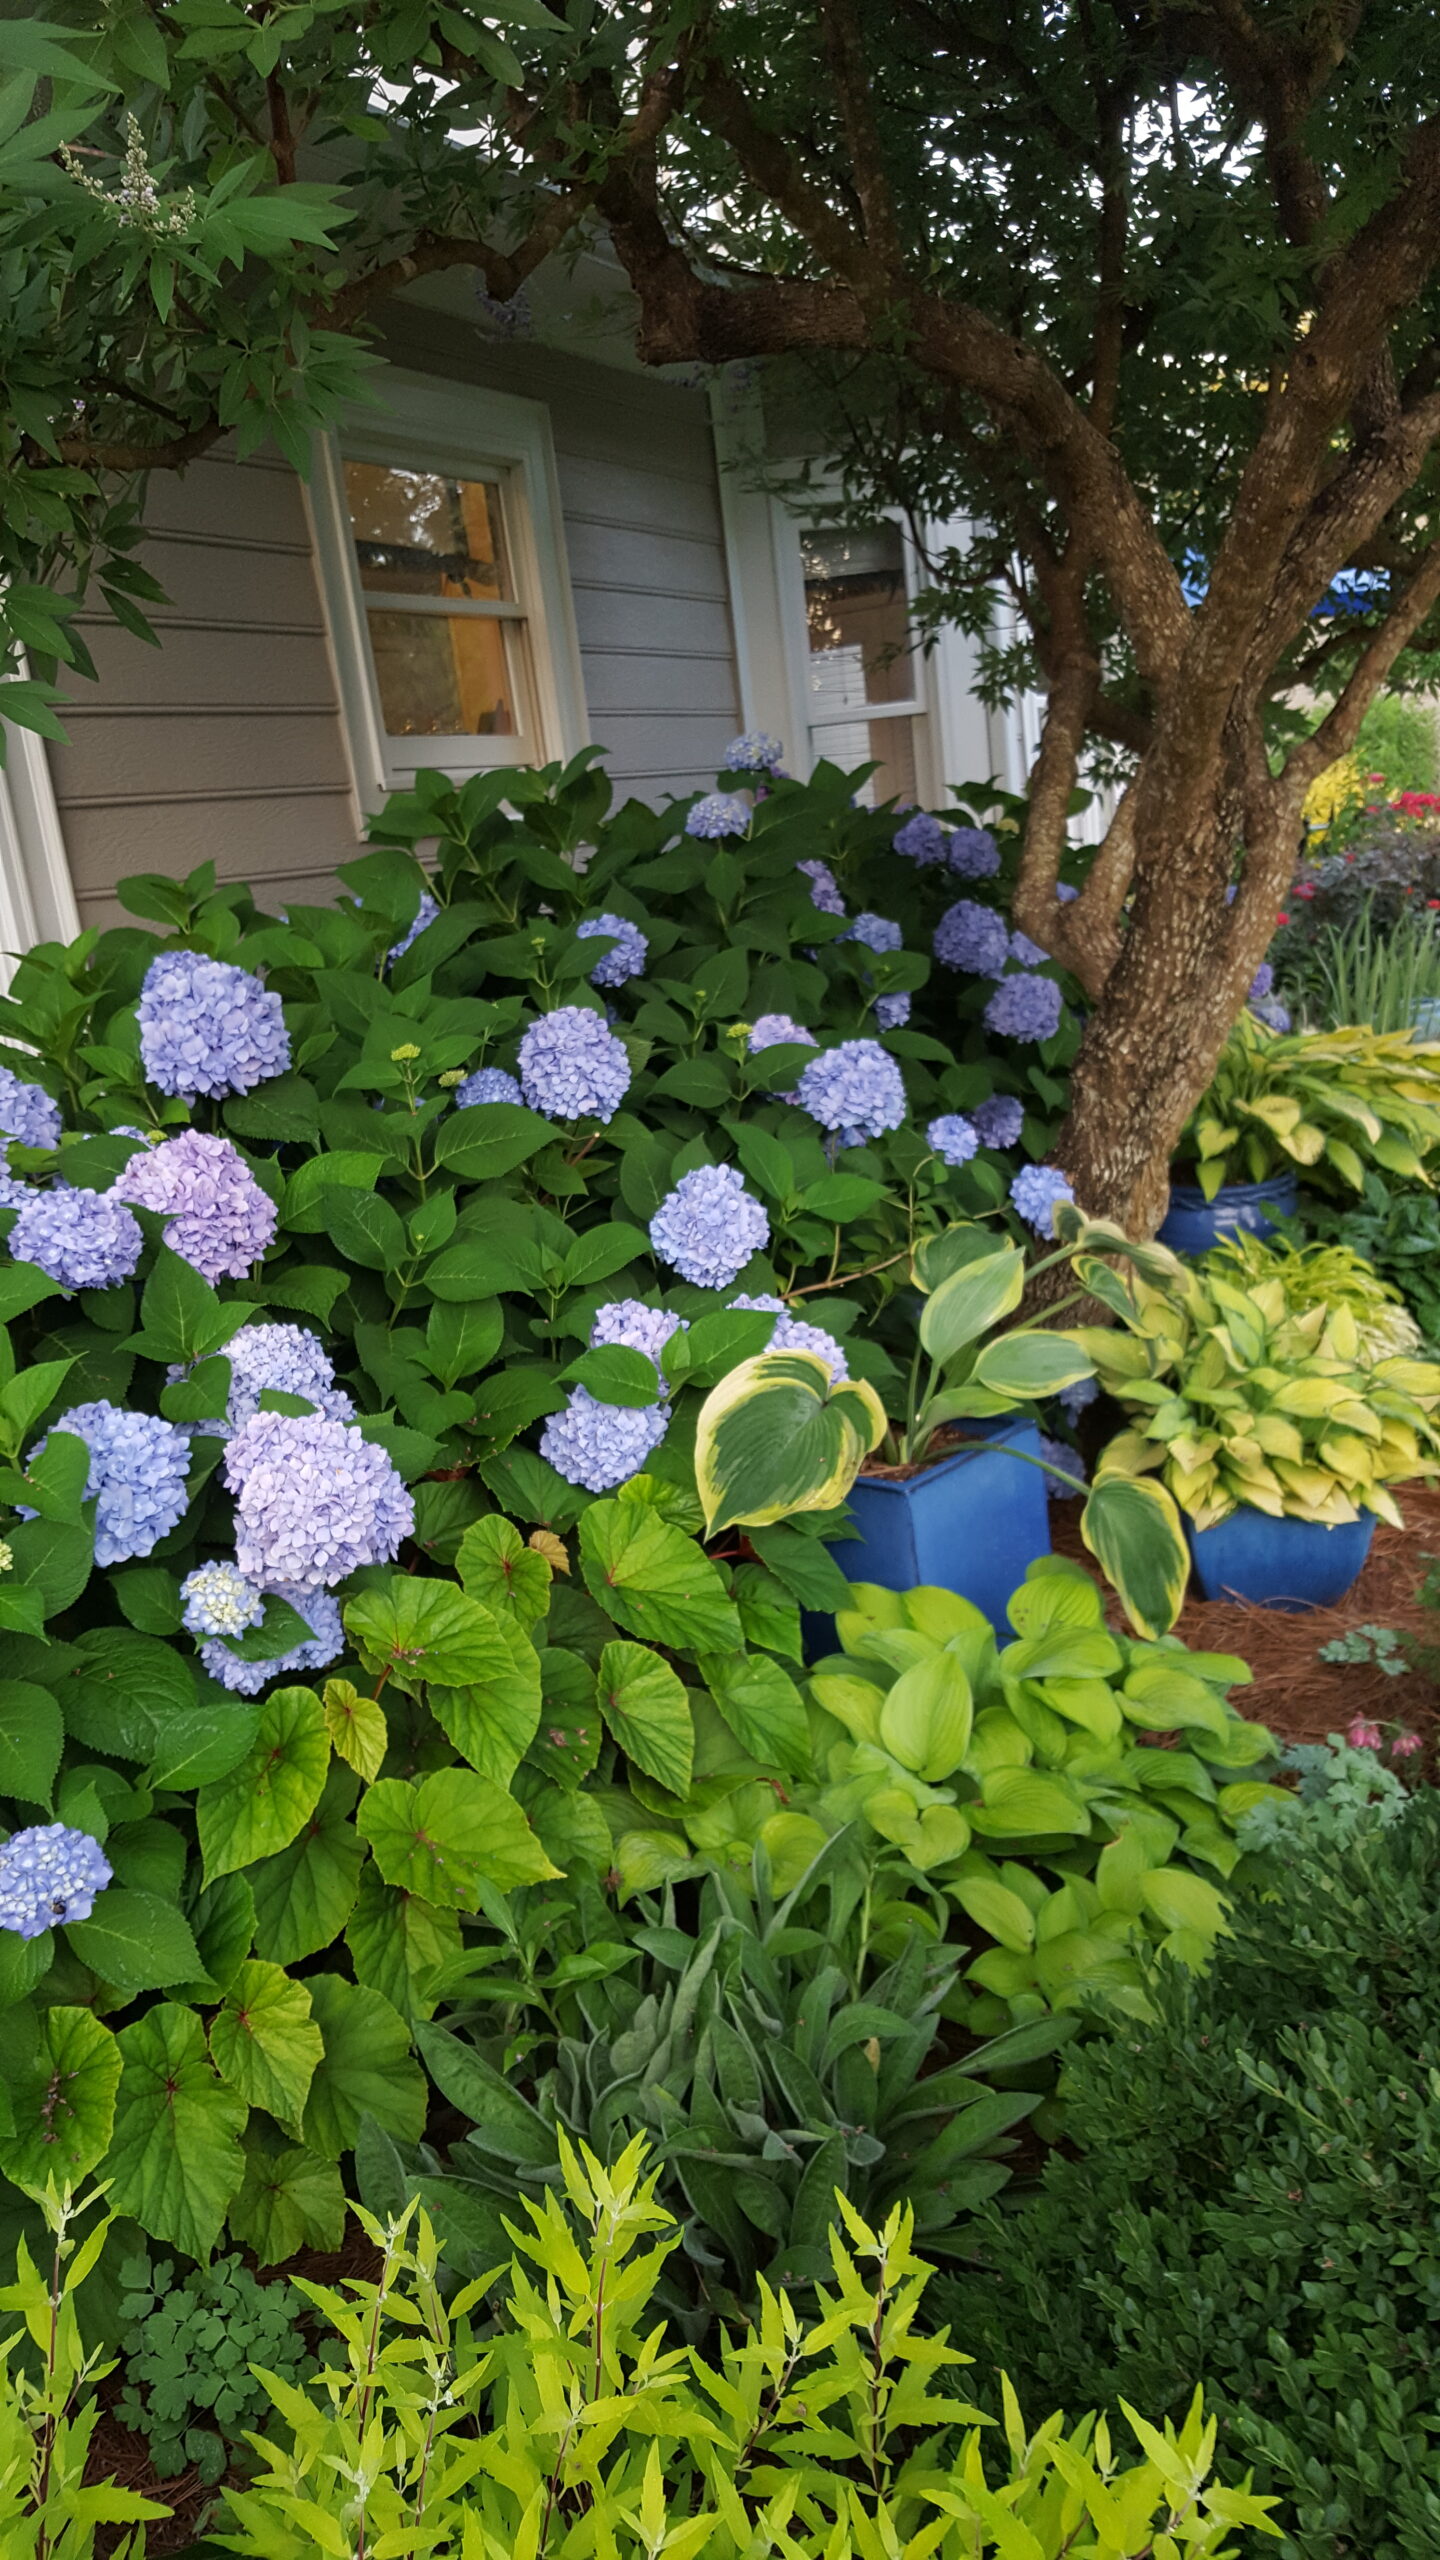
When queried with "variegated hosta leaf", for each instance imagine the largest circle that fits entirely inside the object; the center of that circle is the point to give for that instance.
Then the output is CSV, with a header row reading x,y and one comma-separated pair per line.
x,y
777,1436
1133,1530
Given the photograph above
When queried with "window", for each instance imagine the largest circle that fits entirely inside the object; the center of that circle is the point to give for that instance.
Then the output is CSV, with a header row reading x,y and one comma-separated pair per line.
x,y
864,676
439,541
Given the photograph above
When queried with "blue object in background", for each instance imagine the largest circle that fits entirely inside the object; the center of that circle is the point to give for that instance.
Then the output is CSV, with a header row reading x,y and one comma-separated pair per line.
x,y
1279,1564
972,1523
1193,1223
1425,1020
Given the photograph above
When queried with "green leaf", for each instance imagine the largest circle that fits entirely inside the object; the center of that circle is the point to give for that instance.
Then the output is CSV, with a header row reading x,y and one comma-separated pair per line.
x,y
32,1737
175,2159
448,1835
488,1139
777,1436
927,1718
53,1557
1132,1529
645,1706
615,1375
290,2201
995,1909
1020,1801
135,1942
149,1595
271,1793
505,2124
460,1341
399,1944
417,1632
305,1895
125,1692
654,1581
306,1209
1026,1365
284,1107
805,1567
501,1571
492,1723
265,2043
181,1317
356,1726
64,2100
1183,1901
366,2070
204,1744
762,1706
972,1299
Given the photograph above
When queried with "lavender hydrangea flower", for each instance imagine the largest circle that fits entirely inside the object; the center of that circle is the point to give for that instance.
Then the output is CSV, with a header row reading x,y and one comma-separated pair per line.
x,y
755,752
284,1359
571,1067
791,1333
315,1500
635,1327
720,813
83,1239
878,933
1270,1011
425,914
1037,1192
922,839
1074,1400
953,1137
488,1084
972,853
999,1121
601,1445
824,887
207,1027
137,1476
775,1031
15,1194
49,1873
708,1226
1065,892
1025,1007
27,1112
1058,1453
892,1012
218,1601
325,1644
219,1218
1261,983
1027,953
627,958
973,938
855,1089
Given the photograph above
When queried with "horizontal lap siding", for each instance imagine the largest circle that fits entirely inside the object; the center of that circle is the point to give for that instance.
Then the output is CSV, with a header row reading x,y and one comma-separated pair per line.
x,y
225,744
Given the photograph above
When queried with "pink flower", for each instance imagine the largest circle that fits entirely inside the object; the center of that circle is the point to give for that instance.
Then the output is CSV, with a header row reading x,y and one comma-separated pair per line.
x,y
1365,1735
1304,889
1282,917
1404,1743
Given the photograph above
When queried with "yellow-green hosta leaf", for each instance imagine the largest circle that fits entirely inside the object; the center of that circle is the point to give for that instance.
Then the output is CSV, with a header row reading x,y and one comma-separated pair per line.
x,y
994,1908
1180,1900
1132,1529
971,1300
1046,1600
853,1702
927,1718
1028,1364
1159,1699
779,1436
1017,1802
1346,1162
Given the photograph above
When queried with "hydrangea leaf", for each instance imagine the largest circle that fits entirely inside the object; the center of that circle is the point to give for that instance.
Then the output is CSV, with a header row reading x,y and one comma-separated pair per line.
x,y
654,1581
305,1895
645,1706
449,1835
762,1706
262,1804
290,2200
366,2070
418,1632
356,1726
135,1942
124,1692
202,1745
265,2042
399,1944
175,2159
32,1737
777,1437
63,2091
498,1568
224,1921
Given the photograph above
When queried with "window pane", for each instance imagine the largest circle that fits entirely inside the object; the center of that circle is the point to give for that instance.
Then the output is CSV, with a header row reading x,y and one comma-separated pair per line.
x,y
443,675
858,618
888,744
418,533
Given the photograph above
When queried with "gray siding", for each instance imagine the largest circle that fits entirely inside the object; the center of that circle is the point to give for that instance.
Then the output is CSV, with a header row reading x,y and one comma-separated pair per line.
x,y
226,743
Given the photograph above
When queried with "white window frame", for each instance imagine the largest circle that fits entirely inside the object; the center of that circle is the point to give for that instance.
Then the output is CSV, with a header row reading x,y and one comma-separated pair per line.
x,y
425,424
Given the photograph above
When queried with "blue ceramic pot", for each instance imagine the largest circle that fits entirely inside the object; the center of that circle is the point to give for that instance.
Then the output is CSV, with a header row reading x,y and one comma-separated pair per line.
x,y
1279,1564
1193,1223
1425,1020
973,1523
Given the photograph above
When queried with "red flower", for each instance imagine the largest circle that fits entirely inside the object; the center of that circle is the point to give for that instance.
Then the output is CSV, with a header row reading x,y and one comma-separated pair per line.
x,y
1304,889
1282,917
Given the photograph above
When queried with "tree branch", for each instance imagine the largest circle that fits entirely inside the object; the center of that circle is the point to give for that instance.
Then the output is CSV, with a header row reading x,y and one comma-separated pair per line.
x,y
849,72
1339,729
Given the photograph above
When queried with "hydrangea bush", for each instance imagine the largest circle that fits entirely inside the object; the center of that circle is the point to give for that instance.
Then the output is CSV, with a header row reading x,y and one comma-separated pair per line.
x,y
353,1266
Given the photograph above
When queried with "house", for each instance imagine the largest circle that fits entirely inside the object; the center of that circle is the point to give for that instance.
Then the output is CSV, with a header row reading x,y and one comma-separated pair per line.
x,y
529,543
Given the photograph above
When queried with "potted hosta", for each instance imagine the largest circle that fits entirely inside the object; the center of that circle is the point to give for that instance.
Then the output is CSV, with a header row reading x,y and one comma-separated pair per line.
x,y
1278,1427
950,1492
1330,1103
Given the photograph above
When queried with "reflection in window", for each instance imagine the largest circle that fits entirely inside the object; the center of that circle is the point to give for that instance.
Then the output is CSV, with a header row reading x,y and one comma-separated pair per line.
x,y
421,534
861,655
425,541
440,677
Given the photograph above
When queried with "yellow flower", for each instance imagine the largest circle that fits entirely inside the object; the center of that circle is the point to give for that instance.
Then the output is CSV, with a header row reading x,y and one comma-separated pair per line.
x,y
405,1056
1340,788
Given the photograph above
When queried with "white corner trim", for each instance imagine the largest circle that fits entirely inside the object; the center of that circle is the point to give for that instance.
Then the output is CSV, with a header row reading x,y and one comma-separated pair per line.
x,y
764,655
37,894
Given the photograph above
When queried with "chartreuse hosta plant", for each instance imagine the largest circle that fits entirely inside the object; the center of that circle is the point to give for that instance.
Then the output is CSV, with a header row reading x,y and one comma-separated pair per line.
x,y
1237,1397
777,1435
577,2426
1024,1779
1330,1102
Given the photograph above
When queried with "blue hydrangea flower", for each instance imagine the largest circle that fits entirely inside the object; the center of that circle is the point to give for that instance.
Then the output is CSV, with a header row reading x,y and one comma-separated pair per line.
x,y
1270,1011
571,1067
791,1333
1036,1192
1074,1400
708,1226
953,1137
855,1089
137,1477
892,1012
219,1218
973,938
720,813
425,914
1027,953
999,1121
1025,1007
83,1239
1261,983
315,1500
601,1445
635,1327
488,1084
824,887
27,1112
776,1031
1065,891
218,1601
1058,1453
922,839
49,1874
972,853
878,933
325,1644
628,957
15,1194
206,1027
755,752
286,1359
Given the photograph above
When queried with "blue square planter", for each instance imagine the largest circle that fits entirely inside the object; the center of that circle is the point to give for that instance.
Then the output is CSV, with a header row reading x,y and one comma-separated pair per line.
x,y
972,1523
1286,1564
1193,1223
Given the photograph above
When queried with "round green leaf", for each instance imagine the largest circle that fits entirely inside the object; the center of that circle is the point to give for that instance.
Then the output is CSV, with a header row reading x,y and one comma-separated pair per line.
x,y
175,2159
264,2041
500,1570
645,1706
654,1581
400,1944
263,1802
290,2201
63,2093
304,1896
366,2070
762,1706
449,1834
420,1632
